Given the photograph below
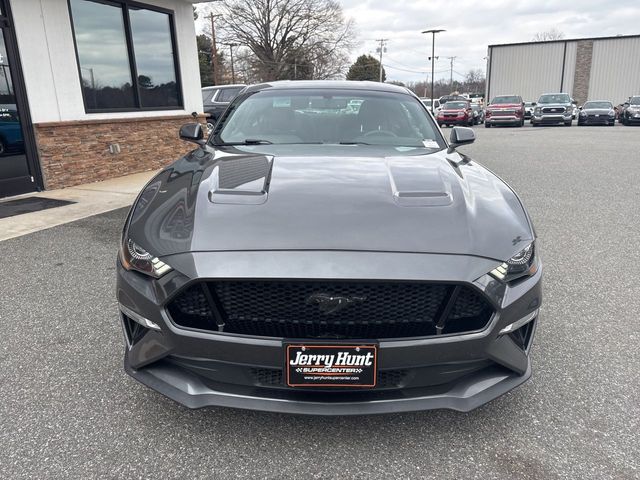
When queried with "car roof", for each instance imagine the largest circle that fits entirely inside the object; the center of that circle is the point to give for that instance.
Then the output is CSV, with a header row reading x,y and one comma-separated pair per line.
x,y
331,84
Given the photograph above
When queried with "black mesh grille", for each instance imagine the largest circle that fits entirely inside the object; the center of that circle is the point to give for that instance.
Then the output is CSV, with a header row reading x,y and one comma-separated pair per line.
x,y
272,377
290,309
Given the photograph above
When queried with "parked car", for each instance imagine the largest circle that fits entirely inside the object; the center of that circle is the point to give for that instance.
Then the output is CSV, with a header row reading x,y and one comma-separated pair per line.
x,y
455,113
597,112
505,110
631,111
553,108
254,272
11,139
427,103
216,99
528,109
478,113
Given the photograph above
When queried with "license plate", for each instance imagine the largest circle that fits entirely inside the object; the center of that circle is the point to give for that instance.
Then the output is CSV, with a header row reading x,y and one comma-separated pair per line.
x,y
597,114
331,365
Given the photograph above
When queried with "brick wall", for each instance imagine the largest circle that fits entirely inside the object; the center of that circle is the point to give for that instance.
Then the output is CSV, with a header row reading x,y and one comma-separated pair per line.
x,y
72,153
584,53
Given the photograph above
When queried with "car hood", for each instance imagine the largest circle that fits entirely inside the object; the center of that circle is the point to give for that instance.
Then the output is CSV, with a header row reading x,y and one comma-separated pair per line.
x,y
350,198
510,106
552,105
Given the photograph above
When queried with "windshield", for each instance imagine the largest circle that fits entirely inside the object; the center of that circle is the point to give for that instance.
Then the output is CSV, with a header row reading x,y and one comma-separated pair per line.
x,y
555,98
597,105
455,105
634,101
327,116
506,99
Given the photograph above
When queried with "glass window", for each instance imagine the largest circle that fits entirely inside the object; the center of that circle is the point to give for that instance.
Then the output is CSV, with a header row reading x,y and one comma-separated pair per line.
x,y
151,33
228,94
327,116
103,55
108,37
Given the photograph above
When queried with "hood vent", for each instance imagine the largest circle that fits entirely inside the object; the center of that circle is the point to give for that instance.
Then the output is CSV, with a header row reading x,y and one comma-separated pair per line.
x,y
241,180
415,184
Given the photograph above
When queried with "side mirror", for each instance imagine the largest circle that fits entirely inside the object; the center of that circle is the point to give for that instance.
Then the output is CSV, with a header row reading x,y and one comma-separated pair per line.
x,y
460,136
533,104
192,132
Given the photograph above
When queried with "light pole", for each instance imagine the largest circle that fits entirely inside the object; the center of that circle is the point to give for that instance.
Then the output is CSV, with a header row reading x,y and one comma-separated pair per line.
x,y
433,52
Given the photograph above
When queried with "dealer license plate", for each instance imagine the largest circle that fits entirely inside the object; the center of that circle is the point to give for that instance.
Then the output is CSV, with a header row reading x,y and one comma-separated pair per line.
x,y
331,365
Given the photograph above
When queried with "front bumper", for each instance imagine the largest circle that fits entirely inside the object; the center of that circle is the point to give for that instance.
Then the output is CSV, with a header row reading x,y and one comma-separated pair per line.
x,y
198,369
503,120
632,118
601,120
454,121
549,119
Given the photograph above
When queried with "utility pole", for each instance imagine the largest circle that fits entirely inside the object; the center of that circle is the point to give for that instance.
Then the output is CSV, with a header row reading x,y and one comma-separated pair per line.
x,y
380,49
451,78
233,73
433,52
214,56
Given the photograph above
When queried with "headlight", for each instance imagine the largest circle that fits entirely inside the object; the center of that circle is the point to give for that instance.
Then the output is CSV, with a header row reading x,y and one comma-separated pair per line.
x,y
612,113
569,109
522,264
537,110
134,257
583,113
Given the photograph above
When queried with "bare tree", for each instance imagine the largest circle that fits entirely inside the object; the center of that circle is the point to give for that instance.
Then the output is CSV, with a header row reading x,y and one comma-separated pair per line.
x,y
289,39
547,35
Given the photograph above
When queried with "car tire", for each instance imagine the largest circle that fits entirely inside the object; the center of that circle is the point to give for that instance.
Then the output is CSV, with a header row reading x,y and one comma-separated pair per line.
x,y
487,125
567,124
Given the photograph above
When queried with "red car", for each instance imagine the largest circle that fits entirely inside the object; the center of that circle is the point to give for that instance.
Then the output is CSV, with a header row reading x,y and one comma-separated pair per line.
x,y
505,110
455,113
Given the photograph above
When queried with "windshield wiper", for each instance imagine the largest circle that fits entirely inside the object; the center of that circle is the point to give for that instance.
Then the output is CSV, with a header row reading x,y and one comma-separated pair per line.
x,y
353,143
248,141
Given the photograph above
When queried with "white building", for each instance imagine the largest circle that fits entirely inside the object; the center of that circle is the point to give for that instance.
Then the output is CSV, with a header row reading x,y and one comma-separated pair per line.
x,y
606,68
92,89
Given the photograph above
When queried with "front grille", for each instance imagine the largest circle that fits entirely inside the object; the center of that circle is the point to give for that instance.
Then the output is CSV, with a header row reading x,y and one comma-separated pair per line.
x,y
304,309
273,377
553,110
503,112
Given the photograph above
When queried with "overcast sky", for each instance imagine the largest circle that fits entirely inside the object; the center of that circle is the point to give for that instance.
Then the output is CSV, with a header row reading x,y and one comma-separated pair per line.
x,y
472,25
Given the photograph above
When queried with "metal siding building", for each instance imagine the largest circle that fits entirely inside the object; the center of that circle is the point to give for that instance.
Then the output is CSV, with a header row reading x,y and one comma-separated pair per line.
x,y
589,69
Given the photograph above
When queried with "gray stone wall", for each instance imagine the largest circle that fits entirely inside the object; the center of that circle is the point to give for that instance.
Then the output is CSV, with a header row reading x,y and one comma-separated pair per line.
x,y
584,53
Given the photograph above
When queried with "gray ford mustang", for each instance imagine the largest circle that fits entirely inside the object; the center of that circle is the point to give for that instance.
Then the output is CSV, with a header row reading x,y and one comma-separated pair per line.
x,y
326,251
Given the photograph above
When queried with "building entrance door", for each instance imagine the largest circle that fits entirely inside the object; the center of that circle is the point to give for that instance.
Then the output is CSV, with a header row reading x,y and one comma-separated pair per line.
x,y
19,170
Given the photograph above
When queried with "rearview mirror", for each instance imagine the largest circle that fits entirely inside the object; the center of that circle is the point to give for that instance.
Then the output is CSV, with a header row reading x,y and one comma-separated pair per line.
x,y
460,136
192,132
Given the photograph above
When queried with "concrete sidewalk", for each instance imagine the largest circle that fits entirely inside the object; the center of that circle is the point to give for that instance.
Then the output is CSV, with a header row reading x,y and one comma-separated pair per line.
x,y
91,199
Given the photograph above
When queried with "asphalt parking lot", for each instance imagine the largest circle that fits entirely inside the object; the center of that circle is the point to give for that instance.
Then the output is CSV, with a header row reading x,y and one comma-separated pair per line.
x,y
67,408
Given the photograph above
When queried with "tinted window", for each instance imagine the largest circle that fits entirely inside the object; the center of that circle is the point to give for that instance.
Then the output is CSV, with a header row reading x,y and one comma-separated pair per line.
x,y
506,99
228,94
326,116
103,55
206,95
455,105
151,33
598,105
555,98
103,34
